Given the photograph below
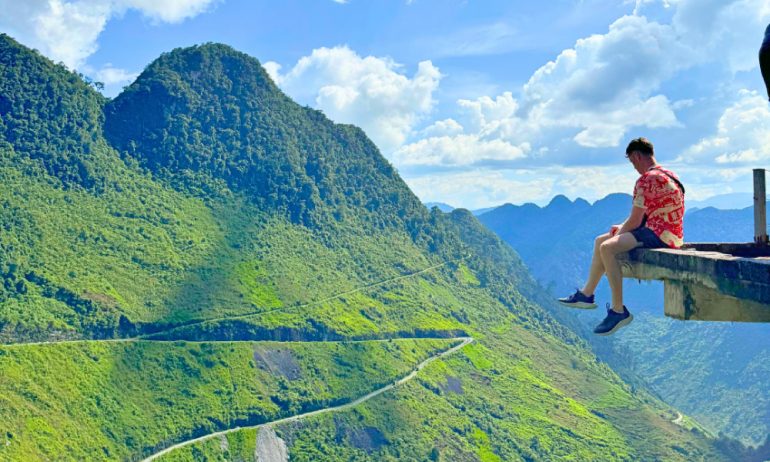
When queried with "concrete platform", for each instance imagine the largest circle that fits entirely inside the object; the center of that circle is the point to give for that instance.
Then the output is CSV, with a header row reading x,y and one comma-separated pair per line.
x,y
708,281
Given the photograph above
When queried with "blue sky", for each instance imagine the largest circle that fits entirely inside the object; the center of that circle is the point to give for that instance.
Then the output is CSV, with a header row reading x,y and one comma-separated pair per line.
x,y
475,103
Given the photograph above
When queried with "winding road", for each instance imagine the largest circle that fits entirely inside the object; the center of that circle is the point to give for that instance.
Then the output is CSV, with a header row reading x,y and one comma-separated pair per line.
x,y
305,305
143,338
147,337
342,407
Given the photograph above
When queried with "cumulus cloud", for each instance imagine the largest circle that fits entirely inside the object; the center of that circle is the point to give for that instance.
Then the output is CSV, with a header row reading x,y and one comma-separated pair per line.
x,y
603,87
742,135
486,113
459,150
497,118
67,30
605,84
493,140
723,30
594,93
273,69
368,91
446,127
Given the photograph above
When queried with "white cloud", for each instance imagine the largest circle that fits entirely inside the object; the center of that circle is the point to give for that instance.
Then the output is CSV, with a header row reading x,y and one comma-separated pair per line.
x,y
368,91
726,31
639,4
446,127
458,150
594,92
609,129
110,75
67,31
595,182
702,183
171,11
486,113
605,84
497,118
682,104
742,135
482,188
273,69
600,89
477,188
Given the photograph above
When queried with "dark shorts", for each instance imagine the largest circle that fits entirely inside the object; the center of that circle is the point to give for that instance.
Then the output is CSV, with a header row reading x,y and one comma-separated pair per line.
x,y
648,238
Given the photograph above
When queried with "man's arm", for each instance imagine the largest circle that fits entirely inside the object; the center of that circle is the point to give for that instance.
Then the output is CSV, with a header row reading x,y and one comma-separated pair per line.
x,y
633,221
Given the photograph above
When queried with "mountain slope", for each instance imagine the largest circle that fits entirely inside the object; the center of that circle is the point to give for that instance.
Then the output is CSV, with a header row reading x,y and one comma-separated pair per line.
x,y
215,209
713,371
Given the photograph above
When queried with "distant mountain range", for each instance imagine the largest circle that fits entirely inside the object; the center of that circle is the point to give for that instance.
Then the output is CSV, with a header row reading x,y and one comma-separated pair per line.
x,y
715,371
731,201
446,208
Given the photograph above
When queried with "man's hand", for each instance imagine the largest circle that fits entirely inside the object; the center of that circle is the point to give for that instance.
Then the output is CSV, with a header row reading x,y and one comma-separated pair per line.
x,y
614,229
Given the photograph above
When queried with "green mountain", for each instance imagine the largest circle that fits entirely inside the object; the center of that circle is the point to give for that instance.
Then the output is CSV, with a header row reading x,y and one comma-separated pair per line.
x,y
201,254
715,372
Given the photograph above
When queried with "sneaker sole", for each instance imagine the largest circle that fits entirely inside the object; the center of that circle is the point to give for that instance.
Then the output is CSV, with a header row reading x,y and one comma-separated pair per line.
x,y
579,305
617,327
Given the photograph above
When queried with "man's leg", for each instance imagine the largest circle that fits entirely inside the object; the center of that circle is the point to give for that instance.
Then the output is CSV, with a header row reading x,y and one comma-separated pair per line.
x,y
608,250
597,266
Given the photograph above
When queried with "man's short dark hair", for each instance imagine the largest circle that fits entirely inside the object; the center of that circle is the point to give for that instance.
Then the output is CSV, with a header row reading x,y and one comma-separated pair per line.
x,y
642,145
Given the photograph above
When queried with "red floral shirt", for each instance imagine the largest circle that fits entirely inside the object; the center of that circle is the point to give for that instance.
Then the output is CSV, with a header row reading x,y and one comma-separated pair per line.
x,y
663,203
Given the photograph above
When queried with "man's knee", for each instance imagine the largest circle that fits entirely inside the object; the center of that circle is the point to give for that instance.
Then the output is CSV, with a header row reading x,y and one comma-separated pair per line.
x,y
601,239
608,247
618,244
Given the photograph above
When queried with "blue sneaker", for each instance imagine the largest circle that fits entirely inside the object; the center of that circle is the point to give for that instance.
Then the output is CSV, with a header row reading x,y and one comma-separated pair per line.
x,y
578,300
614,321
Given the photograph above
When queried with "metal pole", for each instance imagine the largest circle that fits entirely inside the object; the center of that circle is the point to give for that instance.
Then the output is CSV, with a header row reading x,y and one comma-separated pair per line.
x,y
760,208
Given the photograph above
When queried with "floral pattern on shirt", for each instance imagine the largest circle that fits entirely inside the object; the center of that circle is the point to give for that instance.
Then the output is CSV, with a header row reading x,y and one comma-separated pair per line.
x,y
663,203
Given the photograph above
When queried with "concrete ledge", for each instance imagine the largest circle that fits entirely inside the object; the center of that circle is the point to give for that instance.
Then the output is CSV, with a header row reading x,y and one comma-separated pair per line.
x,y
708,281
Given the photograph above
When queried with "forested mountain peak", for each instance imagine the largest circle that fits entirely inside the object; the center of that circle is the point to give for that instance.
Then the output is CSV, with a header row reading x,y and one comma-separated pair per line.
x,y
47,113
209,114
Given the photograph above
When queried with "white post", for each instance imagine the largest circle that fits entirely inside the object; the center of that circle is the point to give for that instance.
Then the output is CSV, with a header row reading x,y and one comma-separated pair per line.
x,y
760,208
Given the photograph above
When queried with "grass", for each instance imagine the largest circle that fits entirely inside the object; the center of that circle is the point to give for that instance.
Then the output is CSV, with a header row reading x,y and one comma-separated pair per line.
x,y
108,401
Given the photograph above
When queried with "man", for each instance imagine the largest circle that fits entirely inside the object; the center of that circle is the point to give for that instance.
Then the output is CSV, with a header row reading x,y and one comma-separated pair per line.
x,y
655,221
764,59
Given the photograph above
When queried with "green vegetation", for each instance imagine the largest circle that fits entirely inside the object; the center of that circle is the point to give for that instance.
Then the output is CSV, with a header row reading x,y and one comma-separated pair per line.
x,y
735,398
213,208
237,446
511,407
96,400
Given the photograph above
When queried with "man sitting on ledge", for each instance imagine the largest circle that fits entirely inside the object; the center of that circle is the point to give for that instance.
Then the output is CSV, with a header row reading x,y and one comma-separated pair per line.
x,y
655,221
